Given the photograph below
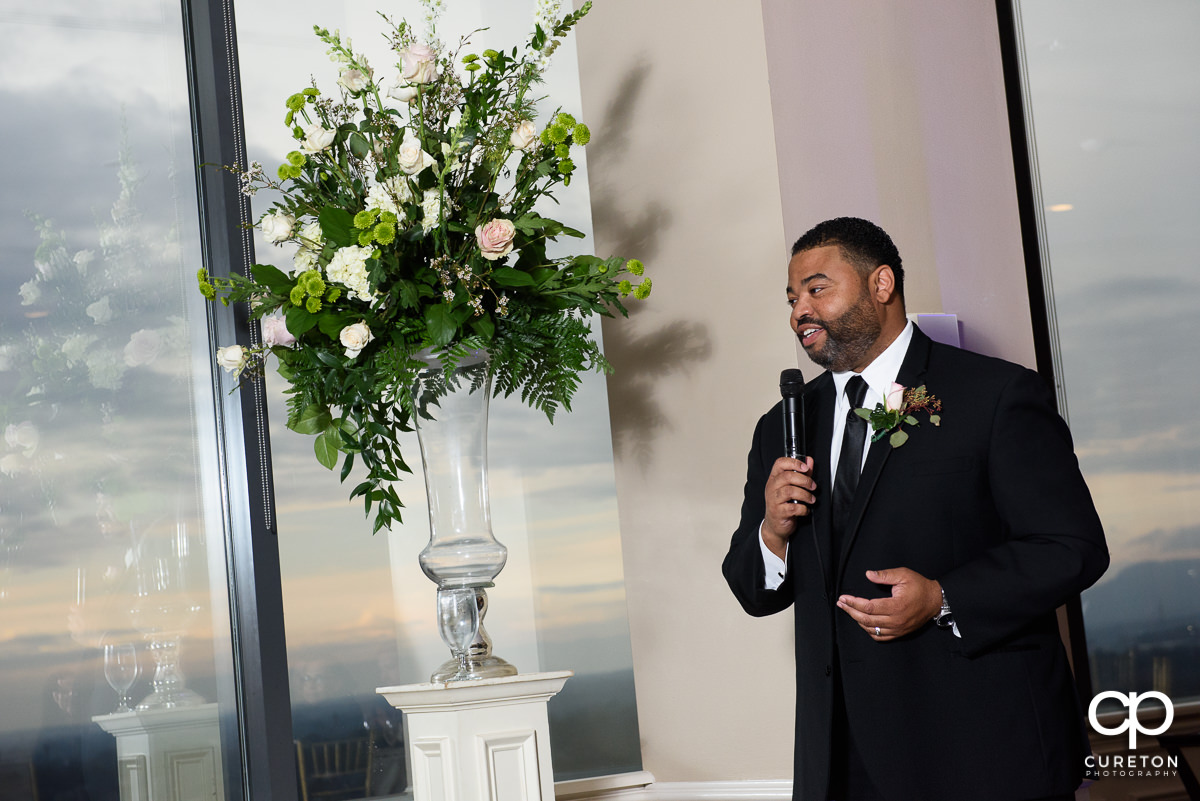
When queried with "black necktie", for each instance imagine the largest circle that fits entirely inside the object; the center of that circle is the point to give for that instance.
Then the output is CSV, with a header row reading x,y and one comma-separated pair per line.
x,y
850,461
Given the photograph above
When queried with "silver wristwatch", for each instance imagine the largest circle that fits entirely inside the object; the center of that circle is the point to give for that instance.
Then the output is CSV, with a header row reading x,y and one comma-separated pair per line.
x,y
943,619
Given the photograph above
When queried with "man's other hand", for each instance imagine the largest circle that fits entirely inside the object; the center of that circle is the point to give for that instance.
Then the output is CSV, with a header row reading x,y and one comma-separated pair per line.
x,y
915,600
788,494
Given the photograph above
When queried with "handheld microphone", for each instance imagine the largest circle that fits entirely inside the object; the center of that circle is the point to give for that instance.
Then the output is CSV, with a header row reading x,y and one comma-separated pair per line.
x,y
791,387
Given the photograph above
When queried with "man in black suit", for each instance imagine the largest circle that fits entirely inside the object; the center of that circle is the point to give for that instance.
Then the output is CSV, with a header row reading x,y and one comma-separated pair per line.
x,y
925,573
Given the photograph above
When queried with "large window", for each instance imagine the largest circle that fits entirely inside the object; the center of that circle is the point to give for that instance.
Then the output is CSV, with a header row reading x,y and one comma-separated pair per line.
x,y
112,546
1113,92
358,610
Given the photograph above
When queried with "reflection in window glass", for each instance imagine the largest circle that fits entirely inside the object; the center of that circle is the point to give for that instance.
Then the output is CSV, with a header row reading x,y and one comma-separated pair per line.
x,y
112,587
359,612
1115,89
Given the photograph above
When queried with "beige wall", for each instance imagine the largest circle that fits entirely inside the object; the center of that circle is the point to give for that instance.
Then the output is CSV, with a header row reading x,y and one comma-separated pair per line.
x,y
724,129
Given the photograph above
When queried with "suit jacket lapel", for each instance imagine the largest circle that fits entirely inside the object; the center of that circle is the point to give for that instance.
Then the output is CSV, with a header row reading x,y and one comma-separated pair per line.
x,y
912,368
820,438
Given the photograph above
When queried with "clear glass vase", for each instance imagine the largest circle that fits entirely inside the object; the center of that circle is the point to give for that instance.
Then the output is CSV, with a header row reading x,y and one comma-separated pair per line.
x,y
462,554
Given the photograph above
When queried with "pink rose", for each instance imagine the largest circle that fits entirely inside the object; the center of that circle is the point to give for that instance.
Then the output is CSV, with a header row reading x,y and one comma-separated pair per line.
x,y
419,64
895,398
495,239
275,333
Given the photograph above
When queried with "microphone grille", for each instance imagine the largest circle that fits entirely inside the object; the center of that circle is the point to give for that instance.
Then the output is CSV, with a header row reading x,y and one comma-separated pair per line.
x,y
791,383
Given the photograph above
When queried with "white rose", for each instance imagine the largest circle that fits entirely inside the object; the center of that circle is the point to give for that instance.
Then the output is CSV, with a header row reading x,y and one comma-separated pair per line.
x,y
100,311
354,80
143,348
895,398
419,63
232,358
316,139
403,91
30,292
277,226
523,135
355,338
22,436
411,158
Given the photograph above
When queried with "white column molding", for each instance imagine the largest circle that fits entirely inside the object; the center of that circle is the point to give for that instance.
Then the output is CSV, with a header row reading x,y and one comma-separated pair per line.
x,y
170,754
486,740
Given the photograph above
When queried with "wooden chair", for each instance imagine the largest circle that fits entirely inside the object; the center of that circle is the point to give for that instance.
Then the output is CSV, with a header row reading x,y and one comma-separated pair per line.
x,y
337,770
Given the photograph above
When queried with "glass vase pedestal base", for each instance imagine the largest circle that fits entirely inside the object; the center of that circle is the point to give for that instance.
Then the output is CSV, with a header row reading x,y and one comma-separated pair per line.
x,y
486,740
489,667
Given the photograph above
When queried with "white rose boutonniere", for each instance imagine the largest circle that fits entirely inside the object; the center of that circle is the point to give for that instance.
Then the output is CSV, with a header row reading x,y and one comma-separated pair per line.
x,y
898,409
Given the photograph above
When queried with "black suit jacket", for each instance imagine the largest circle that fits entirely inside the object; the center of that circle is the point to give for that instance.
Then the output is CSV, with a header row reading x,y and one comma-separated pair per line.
x,y
992,504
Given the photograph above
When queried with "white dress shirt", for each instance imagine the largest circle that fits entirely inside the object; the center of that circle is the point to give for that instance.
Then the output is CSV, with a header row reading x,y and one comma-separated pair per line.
x,y
879,375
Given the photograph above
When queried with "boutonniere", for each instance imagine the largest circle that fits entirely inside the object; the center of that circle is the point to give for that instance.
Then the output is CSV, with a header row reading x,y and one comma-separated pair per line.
x,y
898,409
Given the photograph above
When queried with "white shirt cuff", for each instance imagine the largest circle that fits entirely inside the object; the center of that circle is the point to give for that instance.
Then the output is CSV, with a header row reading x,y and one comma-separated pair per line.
x,y
775,569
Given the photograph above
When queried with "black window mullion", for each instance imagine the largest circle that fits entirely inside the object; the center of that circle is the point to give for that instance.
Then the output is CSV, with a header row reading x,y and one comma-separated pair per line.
x,y
263,725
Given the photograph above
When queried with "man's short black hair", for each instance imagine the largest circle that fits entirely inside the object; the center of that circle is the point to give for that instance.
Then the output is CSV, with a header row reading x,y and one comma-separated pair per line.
x,y
863,243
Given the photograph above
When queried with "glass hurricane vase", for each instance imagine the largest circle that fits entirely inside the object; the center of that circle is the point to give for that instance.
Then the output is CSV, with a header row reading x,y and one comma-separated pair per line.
x,y
462,554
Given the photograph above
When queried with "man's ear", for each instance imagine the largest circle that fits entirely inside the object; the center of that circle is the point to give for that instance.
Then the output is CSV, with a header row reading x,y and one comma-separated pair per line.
x,y
883,283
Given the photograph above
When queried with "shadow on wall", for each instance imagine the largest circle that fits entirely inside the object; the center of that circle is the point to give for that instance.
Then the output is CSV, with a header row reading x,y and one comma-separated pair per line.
x,y
640,359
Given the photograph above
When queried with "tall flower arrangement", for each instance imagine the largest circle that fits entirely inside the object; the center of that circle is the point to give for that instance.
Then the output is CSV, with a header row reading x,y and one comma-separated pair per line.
x,y
412,203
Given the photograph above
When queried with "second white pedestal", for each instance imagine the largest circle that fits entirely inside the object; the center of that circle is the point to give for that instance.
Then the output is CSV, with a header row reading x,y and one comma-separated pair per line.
x,y
486,740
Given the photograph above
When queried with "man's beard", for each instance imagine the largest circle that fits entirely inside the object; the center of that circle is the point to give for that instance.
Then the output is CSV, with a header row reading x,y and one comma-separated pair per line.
x,y
848,337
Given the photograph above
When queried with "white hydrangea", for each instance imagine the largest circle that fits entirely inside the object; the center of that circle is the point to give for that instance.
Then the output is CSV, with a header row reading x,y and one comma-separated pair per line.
x,y
388,194
431,203
74,347
349,268
311,242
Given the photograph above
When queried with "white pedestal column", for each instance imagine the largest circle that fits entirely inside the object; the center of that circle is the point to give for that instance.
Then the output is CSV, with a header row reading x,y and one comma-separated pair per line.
x,y
169,754
486,740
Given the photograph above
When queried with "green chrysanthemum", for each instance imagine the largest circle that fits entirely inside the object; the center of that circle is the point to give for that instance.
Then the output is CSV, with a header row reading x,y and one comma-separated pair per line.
x,y
385,233
313,305
295,102
624,287
557,134
284,172
643,290
581,135
365,237
562,151
312,282
364,219
634,266
333,294
565,119
297,295
566,166
388,217
296,158
207,290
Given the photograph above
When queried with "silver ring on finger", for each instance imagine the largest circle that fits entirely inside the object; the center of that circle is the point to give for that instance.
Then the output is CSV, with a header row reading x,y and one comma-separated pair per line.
x,y
877,631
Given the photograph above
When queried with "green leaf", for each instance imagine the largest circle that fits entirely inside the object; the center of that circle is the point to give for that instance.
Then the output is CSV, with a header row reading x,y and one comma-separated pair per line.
x,y
863,413
347,466
325,446
331,325
936,419
440,324
912,421
899,438
299,320
272,278
507,276
313,419
337,226
359,145
484,326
